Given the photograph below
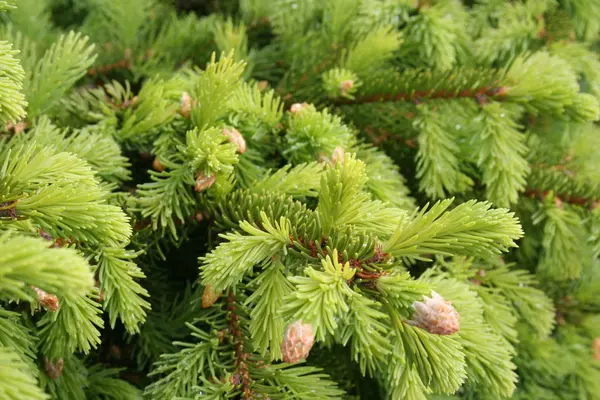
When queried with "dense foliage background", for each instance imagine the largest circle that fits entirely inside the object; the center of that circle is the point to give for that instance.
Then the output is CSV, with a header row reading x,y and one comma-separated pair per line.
x,y
197,195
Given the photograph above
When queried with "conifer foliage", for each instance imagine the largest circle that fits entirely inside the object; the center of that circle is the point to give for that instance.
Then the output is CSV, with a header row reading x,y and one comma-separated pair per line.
x,y
299,199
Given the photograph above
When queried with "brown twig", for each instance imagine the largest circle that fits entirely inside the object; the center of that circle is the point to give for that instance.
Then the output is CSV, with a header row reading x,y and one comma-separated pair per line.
x,y
561,198
242,375
480,94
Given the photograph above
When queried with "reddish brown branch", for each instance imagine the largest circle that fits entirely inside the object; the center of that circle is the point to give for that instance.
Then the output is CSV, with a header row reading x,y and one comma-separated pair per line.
x,y
242,376
562,198
480,94
8,210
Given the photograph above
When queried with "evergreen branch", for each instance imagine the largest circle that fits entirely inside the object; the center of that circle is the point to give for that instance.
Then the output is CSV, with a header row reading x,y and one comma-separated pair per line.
x,y
74,327
214,88
69,382
7,4
242,373
472,228
320,297
104,384
57,71
343,202
438,360
283,382
500,153
28,261
156,106
231,260
185,369
12,102
266,322
367,330
123,296
311,134
534,307
488,359
437,157
243,205
561,257
15,381
419,96
100,151
15,336
385,181
300,180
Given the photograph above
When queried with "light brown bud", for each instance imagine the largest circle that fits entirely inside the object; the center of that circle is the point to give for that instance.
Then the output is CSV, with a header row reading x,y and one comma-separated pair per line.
x,y
209,296
185,105
346,85
47,300
54,370
236,138
297,107
157,165
262,85
297,342
203,182
436,315
338,155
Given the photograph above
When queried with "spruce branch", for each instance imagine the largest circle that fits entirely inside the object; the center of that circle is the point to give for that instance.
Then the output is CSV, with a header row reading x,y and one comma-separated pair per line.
x,y
57,71
123,296
501,155
74,327
13,104
19,339
28,261
266,322
242,376
183,370
321,296
16,382
472,228
231,260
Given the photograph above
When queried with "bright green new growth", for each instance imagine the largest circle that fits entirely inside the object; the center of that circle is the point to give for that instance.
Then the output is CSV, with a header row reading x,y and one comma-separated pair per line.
x,y
178,188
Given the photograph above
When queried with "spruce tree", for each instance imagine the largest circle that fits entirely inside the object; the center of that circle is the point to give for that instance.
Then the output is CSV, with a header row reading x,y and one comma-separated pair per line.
x,y
299,199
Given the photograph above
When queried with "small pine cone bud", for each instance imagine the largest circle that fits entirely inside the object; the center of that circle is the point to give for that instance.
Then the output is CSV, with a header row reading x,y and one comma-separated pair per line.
x,y
54,370
338,155
297,342
596,348
157,165
346,85
185,105
209,296
203,182
101,294
49,301
297,107
262,85
436,315
236,138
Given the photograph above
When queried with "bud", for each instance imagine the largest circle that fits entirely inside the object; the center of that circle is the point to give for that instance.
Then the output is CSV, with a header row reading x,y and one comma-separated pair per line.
x,y
596,348
436,315
236,138
209,296
338,155
346,86
54,370
203,182
262,85
297,342
297,107
157,165
49,301
185,105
